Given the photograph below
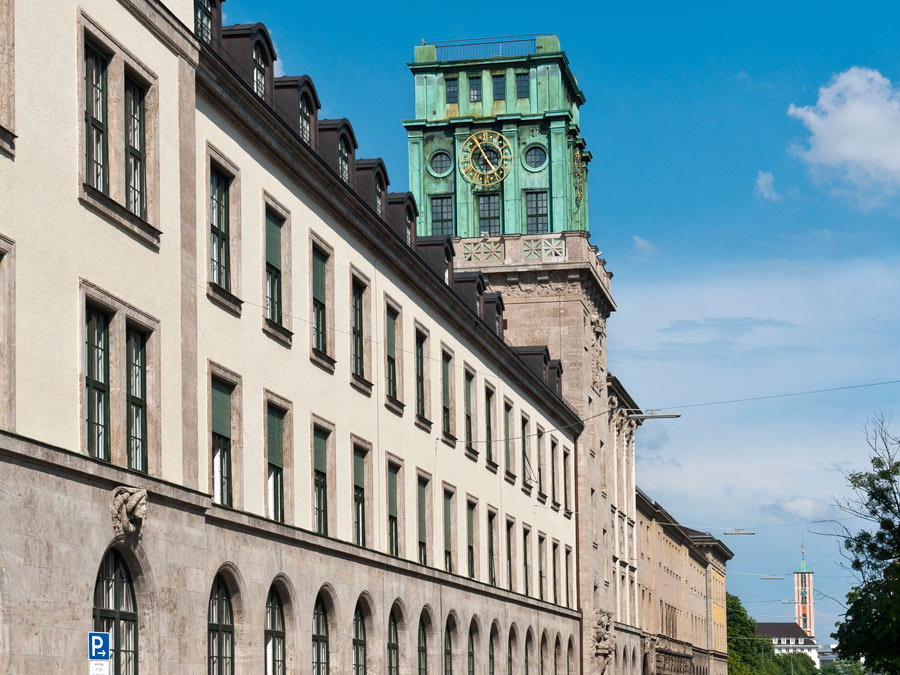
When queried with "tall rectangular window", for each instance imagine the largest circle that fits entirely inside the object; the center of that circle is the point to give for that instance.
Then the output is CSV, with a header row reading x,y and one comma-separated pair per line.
x,y
540,567
442,216
445,392
469,384
135,152
421,495
524,443
470,538
566,480
219,247
451,89
536,221
393,525
540,461
553,470
489,214
320,480
522,85
221,441
136,393
499,82
319,270
474,88
97,382
359,496
568,580
509,554
555,562
204,20
492,572
526,560
273,267
489,423
391,335
95,118
275,445
358,357
507,441
420,374
448,531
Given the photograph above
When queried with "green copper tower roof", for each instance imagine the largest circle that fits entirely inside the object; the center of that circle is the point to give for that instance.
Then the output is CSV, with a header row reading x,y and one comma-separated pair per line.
x,y
803,568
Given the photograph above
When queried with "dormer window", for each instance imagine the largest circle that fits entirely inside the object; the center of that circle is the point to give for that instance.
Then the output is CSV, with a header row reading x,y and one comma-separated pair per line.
x,y
447,260
204,19
259,72
344,160
379,196
498,322
409,227
305,120
479,302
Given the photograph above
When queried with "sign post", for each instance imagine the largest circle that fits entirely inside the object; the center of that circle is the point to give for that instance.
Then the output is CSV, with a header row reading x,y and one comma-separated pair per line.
x,y
99,653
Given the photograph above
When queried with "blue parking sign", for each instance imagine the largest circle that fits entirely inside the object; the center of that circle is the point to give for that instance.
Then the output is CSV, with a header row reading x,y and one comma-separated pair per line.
x,y
99,647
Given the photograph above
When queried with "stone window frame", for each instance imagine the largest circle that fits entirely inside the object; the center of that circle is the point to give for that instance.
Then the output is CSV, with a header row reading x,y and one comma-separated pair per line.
x,y
362,384
393,404
228,299
324,360
526,440
447,488
472,500
318,422
287,450
449,438
368,479
543,583
235,381
540,435
396,460
509,524
282,332
8,332
472,450
425,476
554,473
121,63
423,421
509,435
8,75
527,560
494,543
123,315
489,454
567,588
567,483
556,587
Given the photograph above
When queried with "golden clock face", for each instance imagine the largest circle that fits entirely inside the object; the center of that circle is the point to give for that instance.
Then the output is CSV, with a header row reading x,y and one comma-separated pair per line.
x,y
578,177
485,158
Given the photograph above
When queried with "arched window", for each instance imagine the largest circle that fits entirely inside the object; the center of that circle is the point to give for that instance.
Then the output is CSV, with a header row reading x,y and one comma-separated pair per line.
x,y
509,655
221,630
274,635
259,71
379,196
471,651
115,612
305,120
344,160
319,639
393,648
491,656
423,648
359,643
448,652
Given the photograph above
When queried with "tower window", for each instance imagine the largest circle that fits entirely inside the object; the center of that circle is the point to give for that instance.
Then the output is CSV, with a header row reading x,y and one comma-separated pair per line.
x,y
536,221
535,156
451,87
522,85
442,216
441,163
474,88
499,82
489,214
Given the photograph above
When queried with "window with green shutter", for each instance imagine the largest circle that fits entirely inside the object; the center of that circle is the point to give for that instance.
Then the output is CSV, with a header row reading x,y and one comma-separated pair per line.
x,y
135,152
540,461
470,538
320,480
565,480
541,568
492,575
469,383
393,532
275,450
553,470
507,443
489,423
319,271
509,554
136,394
526,537
97,382
420,374
445,392
219,246
359,496
273,267
358,347
524,442
448,532
391,347
422,521
221,440
555,568
96,141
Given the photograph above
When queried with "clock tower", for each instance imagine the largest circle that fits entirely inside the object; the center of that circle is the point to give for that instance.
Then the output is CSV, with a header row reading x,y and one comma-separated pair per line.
x,y
803,596
495,146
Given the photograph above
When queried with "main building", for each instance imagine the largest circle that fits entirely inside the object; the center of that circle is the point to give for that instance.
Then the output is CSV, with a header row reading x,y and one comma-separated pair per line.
x,y
261,414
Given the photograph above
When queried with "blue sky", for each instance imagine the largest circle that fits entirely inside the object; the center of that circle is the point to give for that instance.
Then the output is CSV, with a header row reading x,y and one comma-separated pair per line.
x,y
744,190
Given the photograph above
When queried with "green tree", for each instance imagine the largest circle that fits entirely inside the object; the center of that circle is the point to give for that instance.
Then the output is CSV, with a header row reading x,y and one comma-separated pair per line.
x,y
871,623
796,664
843,668
748,653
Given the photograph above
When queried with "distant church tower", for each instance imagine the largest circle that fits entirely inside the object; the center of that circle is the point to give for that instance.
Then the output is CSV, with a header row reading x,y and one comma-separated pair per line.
x,y
803,595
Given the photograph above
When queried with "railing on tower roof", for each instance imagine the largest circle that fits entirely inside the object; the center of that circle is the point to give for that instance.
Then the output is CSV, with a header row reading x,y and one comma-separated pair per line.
x,y
486,48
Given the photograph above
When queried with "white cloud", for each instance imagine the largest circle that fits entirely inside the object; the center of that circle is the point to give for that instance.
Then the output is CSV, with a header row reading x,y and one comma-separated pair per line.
x,y
800,508
765,187
643,246
854,136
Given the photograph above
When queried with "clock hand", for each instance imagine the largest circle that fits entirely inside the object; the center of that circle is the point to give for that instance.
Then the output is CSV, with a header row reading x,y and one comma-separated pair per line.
x,y
484,154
